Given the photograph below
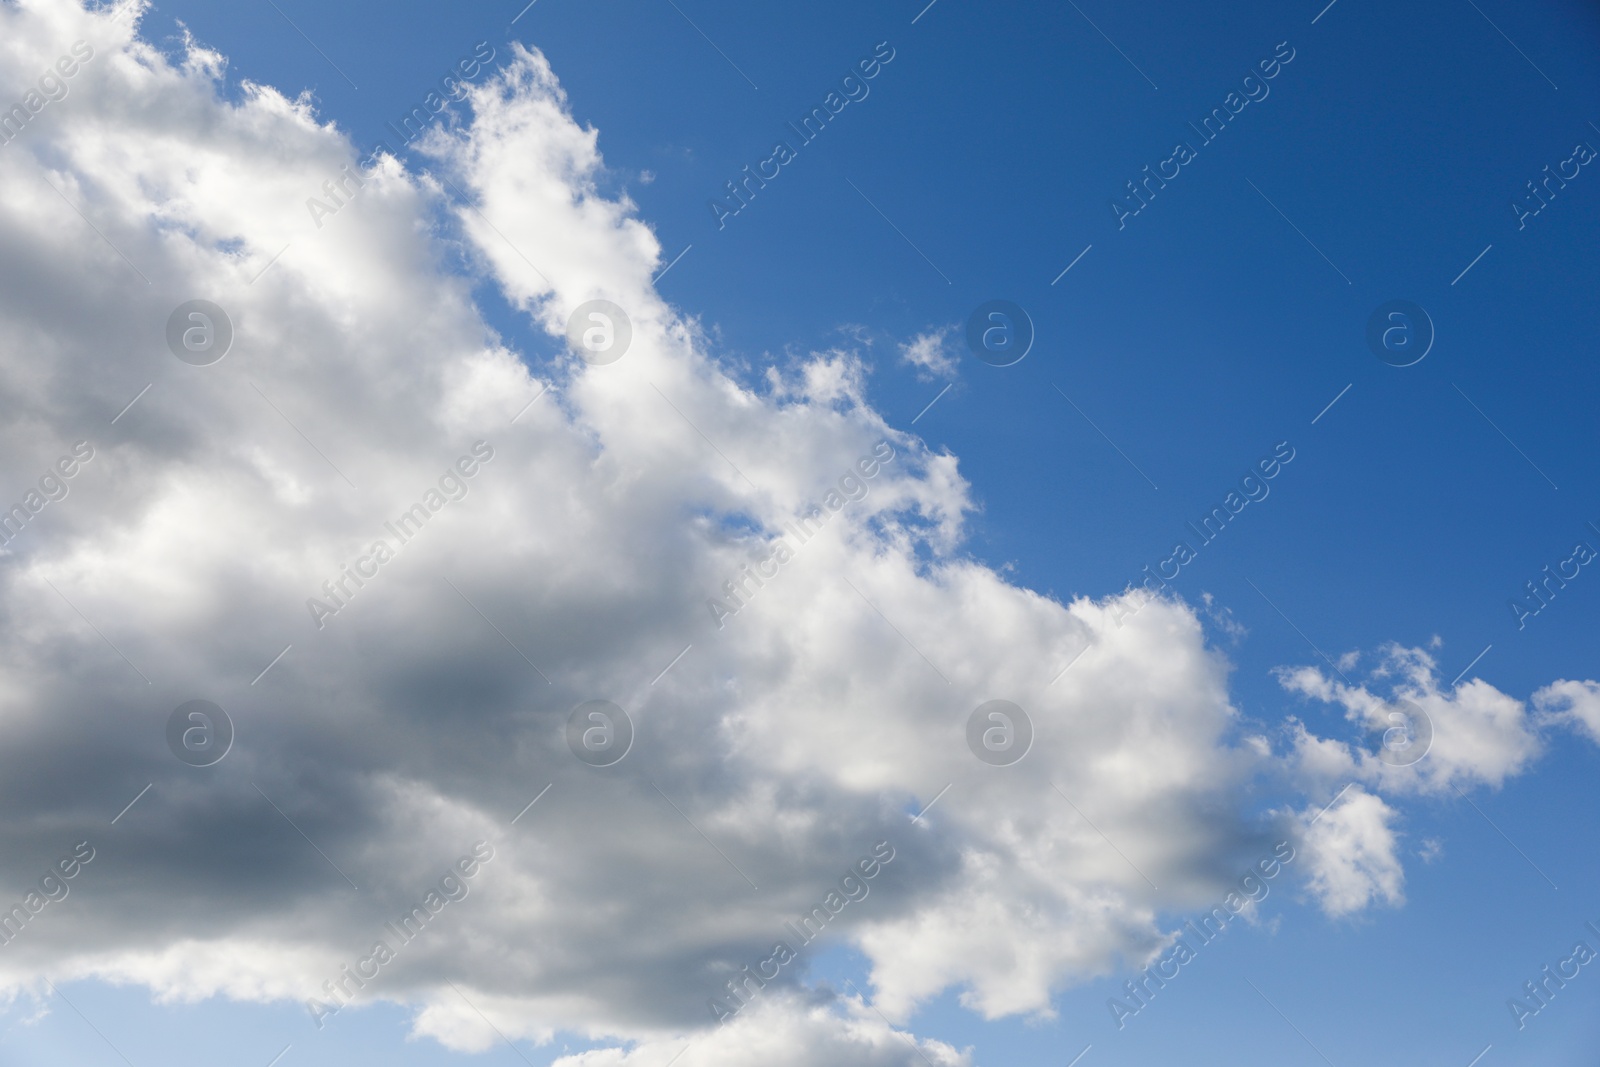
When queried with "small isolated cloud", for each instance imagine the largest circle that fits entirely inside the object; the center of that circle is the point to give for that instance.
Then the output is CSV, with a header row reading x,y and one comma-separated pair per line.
x,y
1575,705
931,354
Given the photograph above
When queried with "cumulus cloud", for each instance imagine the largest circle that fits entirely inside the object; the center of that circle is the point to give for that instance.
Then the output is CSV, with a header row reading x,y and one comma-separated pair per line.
x,y
396,708
1351,852
233,513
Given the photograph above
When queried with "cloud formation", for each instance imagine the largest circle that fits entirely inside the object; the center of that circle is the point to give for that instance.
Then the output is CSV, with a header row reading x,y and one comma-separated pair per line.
x,y
1479,735
1473,734
607,504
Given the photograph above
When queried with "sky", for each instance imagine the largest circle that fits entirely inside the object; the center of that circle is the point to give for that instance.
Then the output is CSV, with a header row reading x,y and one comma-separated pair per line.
x,y
718,510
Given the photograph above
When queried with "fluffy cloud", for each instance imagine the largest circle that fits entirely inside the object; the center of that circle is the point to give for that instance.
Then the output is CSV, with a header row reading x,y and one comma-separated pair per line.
x,y
610,509
1474,736
1351,851
1479,735
930,353
1575,705
232,503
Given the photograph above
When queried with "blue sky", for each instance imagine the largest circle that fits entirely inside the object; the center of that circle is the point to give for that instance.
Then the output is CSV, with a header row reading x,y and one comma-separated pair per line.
x,y
1223,318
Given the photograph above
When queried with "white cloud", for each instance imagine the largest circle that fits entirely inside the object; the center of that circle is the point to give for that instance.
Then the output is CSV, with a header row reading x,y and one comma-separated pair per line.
x,y
406,728
1480,736
790,1034
1575,705
1350,851
578,565
931,353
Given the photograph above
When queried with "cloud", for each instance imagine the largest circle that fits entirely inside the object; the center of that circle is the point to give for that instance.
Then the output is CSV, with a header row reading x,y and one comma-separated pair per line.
x,y
608,507
1350,851
1475,735
791,1034
1575,705
931,354
1479,735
